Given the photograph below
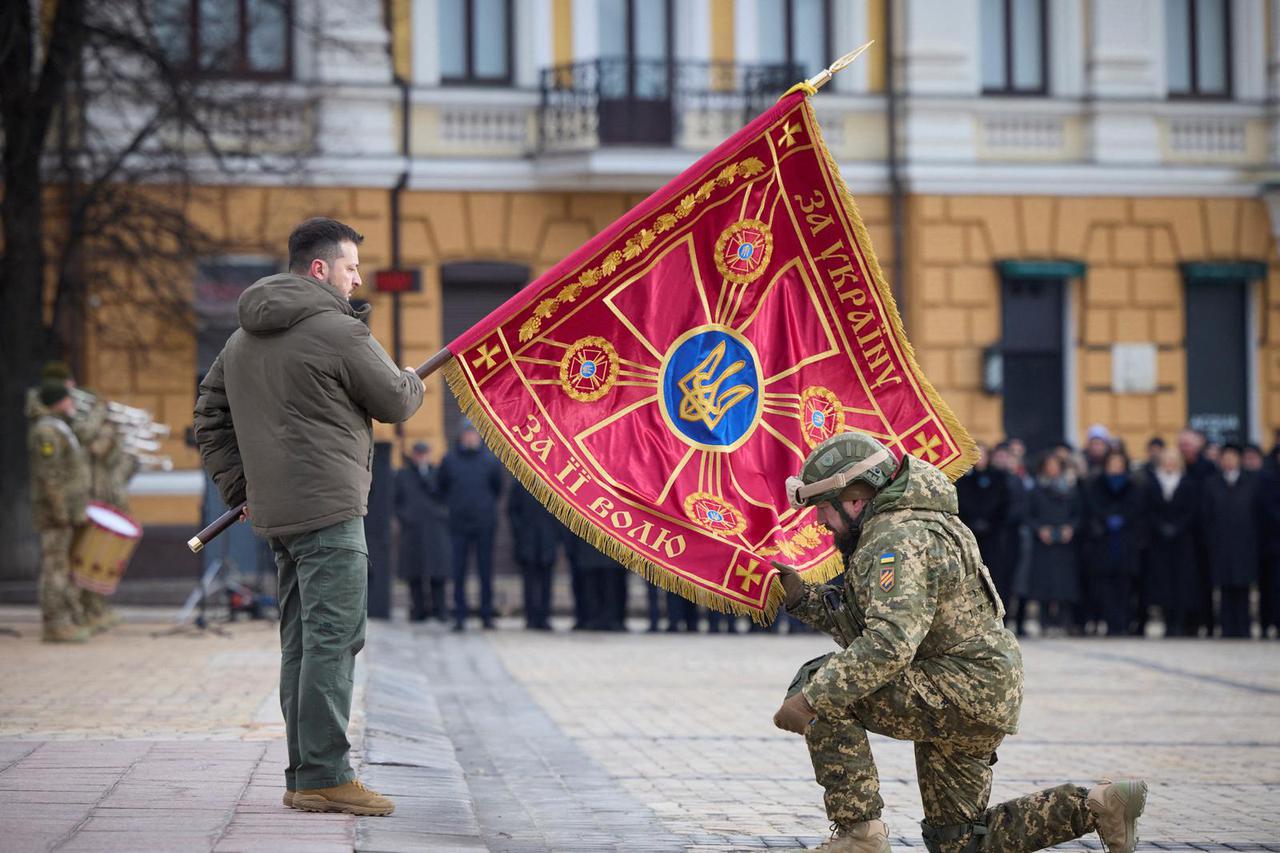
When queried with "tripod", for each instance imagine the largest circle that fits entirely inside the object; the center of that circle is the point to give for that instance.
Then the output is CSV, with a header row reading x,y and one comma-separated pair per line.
x,y
220,578
198,600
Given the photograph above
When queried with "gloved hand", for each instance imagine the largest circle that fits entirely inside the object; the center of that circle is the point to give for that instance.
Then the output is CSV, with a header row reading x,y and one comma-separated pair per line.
x,y
791,584
795,715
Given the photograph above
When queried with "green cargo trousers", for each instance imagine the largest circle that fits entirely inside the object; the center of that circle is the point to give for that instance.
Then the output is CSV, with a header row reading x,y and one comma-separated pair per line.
x,y
324,587
954,754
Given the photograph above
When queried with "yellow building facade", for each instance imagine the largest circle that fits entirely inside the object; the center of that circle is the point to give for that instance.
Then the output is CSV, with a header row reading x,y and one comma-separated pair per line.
x,y
1124,208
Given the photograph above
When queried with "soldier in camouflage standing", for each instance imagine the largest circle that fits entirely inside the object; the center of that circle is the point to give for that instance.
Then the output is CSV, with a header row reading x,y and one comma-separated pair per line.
x,y
59,488
925,657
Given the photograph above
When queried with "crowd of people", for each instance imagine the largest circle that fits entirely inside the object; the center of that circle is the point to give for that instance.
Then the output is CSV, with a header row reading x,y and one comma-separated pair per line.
x,y
1107,545
1078,542
447,516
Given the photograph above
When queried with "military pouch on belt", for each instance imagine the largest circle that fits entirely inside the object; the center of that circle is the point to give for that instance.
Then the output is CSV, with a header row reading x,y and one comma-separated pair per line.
x,y
805,674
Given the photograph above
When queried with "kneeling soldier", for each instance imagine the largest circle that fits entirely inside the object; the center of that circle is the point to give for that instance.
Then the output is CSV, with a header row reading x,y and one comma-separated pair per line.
x,y
925,657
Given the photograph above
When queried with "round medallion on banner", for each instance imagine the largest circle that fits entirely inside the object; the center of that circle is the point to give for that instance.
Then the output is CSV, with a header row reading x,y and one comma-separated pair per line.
x,y
714,513
821,415
743,251
709,393
588,369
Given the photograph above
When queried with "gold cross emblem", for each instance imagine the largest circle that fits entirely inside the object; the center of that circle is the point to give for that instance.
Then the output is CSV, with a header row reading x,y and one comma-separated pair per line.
x,y
926,446
749,575
788,137
486,356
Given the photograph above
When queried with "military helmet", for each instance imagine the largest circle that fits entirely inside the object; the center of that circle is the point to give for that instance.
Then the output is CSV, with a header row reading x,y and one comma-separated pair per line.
x,y
839,462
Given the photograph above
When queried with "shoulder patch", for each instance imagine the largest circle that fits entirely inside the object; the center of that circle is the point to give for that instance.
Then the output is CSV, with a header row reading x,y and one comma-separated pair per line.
x,y
888,562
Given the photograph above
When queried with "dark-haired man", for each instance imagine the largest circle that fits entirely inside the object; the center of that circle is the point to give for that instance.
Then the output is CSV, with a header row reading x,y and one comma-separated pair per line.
x,y
284,420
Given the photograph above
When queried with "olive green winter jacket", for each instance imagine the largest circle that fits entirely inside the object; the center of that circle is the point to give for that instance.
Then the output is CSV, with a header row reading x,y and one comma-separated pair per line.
x,y
284,415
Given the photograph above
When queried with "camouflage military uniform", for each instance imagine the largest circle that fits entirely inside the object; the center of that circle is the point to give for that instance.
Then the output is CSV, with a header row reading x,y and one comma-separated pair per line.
x,y
59,488
925,657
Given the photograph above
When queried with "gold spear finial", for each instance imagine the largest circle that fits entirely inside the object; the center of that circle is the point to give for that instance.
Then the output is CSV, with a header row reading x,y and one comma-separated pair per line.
x,y
824,76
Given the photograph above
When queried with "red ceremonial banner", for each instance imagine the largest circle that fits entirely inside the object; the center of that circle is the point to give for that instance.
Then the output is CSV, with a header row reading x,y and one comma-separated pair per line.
x,y
656,387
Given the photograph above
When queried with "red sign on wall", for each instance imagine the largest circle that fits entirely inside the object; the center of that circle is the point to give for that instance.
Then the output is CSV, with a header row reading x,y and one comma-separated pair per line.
x,y
397,281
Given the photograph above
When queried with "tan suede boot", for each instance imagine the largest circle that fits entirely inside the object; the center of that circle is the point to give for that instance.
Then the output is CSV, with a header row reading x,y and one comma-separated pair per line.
x,y
870,836
288,798
1117,806
351,798
64,633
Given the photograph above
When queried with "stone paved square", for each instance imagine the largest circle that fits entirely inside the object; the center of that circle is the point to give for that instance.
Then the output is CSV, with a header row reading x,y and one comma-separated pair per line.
x,y
514,741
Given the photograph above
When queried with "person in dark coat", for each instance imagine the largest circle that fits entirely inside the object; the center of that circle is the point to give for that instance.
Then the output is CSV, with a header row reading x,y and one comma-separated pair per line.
x,y
1054,515
537,535
1115,516
985,507
1009,549
1198,467
682,614
1231,523
470,482
1173,512
597,594
425,561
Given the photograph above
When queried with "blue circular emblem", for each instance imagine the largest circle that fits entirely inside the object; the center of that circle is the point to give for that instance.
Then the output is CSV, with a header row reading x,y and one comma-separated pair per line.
x,y
711,388
588,369
745,251
715,515
819,418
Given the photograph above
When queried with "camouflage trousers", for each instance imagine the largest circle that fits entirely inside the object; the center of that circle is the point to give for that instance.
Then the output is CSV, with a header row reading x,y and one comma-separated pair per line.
x,y
93,605
954,755
59,598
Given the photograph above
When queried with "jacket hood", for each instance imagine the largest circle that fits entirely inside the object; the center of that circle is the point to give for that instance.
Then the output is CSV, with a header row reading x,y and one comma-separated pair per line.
x,y
918,486
277,302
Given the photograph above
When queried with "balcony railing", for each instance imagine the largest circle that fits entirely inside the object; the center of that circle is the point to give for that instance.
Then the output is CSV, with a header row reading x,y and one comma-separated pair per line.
x,y
653,102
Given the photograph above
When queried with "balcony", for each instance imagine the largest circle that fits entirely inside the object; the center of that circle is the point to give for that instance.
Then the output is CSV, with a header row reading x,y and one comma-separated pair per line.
x,y
685,105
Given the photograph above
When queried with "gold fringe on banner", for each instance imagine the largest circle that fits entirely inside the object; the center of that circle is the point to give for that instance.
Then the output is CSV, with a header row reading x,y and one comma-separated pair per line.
x,y
968,447
583,527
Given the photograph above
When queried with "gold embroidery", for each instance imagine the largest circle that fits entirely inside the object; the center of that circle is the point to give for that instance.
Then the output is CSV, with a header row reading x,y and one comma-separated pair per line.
x,y
805,538
637,244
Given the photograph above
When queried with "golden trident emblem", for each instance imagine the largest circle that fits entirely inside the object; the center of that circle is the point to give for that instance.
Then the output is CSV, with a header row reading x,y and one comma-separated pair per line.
x,y
703,400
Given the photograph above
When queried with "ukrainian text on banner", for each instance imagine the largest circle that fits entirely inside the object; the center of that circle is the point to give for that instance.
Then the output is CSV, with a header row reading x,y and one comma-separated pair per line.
x,y
657,387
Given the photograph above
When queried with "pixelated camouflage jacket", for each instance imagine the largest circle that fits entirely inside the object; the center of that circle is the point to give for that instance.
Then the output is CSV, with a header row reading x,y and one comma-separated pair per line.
x,y
921,604
59,473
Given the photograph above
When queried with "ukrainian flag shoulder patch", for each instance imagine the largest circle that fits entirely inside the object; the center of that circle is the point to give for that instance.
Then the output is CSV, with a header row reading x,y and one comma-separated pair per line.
x,y
888,561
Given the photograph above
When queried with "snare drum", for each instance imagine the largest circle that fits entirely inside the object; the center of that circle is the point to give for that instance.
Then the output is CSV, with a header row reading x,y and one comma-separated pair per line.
x,y
102,548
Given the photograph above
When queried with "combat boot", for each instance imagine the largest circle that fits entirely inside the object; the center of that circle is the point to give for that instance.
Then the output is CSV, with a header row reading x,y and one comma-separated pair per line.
x,y
288,798
1117,806
65,633
870,836
349,798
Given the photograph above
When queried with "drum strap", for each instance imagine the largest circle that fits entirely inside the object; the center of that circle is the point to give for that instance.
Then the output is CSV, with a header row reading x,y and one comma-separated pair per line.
x,y
62,426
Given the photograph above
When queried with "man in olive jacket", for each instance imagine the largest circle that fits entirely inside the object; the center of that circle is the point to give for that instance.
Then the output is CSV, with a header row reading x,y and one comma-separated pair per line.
x,y
284,420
